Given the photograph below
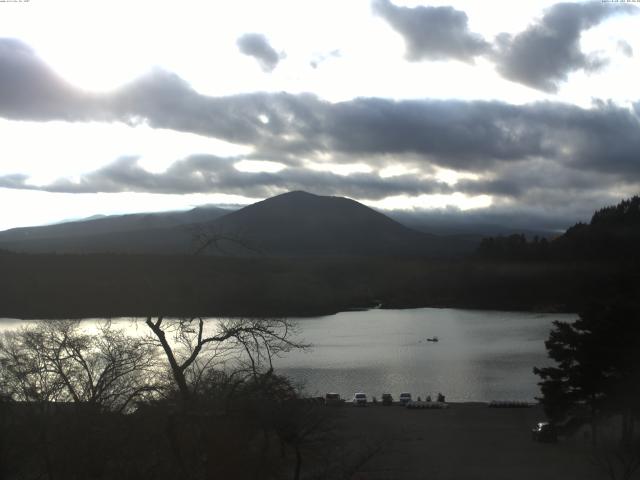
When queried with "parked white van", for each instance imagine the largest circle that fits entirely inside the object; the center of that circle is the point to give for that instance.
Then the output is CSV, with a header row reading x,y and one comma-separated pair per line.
x,y
360,399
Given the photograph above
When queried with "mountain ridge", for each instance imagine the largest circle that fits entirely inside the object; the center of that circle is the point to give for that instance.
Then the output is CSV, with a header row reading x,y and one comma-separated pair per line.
x,y
292,224
97,224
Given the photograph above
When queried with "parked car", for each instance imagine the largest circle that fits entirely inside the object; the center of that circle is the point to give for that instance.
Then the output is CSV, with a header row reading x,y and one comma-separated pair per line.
x,y
332,399
544,432
360,400
387,399
405,397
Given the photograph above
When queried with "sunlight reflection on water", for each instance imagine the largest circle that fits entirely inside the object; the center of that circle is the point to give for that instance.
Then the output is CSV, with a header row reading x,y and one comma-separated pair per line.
x,y
480,355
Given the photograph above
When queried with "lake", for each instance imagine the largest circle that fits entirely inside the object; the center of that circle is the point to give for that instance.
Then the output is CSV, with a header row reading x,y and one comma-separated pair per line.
x,y
480,355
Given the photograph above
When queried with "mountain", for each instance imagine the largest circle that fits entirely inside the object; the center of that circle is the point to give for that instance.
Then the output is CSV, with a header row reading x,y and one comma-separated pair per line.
x,y
300,223
291,224
162,232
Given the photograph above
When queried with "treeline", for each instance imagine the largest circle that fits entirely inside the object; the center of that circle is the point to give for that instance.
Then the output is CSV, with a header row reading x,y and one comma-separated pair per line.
x,y
75,286
506,273
612,235
514,247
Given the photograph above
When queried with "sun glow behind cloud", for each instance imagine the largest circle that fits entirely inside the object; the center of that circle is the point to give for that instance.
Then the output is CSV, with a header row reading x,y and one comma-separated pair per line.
x,y
396,170
66,149
451,177
456,200
257,166
343,169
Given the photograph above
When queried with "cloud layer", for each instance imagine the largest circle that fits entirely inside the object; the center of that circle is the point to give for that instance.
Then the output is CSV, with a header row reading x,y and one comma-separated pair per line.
x,y
463,135
207,173
541,154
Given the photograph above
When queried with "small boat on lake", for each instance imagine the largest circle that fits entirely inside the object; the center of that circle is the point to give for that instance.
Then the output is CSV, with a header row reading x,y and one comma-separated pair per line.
x,y
432,339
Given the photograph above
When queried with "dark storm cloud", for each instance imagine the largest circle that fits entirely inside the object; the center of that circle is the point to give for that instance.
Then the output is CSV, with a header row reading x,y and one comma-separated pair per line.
x,y
257,46
206,174
433,33
543,55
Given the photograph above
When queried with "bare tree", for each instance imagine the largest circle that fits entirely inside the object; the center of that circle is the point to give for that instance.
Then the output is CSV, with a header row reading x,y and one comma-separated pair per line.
x,y
24,371
244,344
55,360
207,239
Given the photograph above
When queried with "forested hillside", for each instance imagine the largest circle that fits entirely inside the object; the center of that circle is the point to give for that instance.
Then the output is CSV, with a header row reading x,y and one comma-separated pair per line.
x,y
613,234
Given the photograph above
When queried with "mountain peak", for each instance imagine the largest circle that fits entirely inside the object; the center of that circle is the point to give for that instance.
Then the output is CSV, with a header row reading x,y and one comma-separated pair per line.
x,y
296,193
302,223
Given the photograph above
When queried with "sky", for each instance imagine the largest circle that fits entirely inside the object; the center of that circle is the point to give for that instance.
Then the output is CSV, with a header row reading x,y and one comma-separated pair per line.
x,y
511,112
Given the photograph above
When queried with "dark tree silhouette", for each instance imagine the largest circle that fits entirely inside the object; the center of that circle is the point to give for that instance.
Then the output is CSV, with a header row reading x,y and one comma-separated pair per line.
x,y
55,360
598,366
248,344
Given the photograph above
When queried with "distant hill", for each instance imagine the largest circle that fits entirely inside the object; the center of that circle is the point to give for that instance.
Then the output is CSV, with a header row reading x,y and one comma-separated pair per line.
x,y
464,224
162,232
114,223
291,224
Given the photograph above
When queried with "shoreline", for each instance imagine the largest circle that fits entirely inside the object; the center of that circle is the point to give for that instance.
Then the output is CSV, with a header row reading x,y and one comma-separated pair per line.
x,y
81,286
302,316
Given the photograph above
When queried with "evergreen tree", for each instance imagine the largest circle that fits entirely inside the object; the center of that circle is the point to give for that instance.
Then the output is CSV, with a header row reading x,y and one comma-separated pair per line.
x,y
597,370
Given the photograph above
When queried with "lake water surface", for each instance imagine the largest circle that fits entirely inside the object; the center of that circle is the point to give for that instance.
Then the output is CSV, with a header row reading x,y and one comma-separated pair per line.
x,y
480,355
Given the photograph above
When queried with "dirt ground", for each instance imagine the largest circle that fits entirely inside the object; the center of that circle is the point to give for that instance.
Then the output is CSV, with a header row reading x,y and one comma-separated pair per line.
x,y
462,442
